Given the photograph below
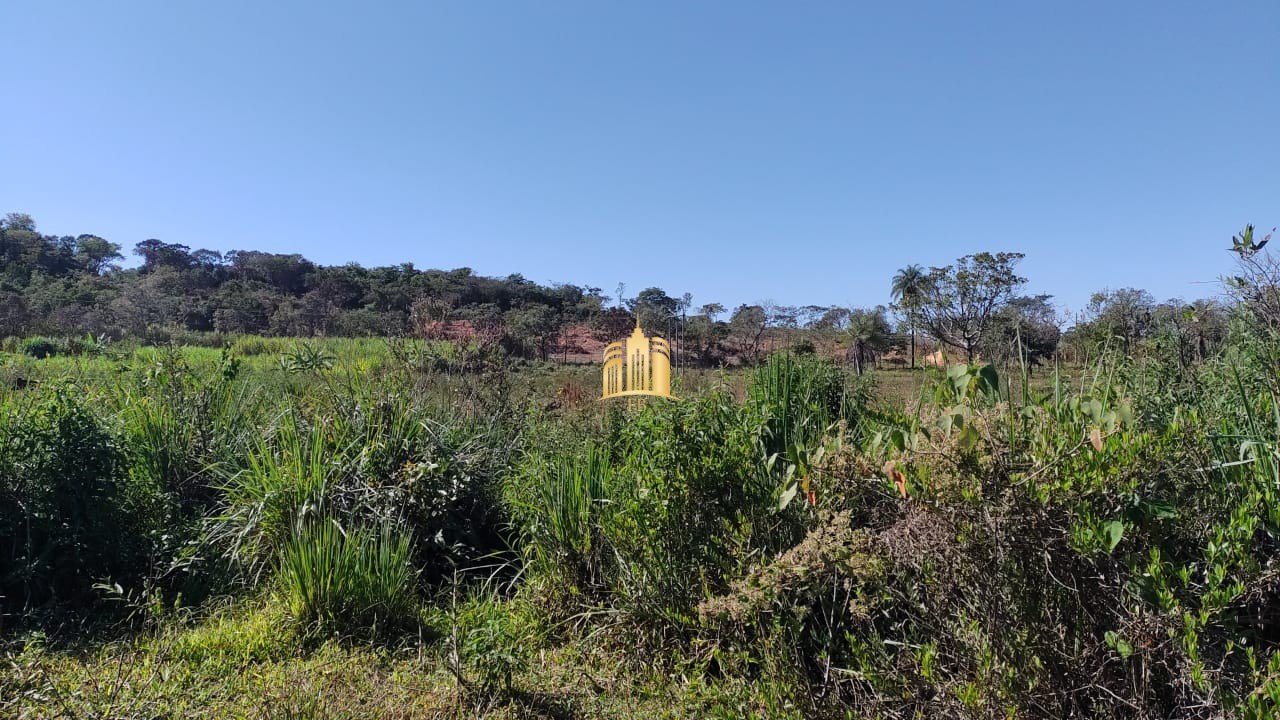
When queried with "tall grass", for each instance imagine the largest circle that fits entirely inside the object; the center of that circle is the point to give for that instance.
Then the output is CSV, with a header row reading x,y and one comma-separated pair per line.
x,y
179,418
801,399
338,579
284,485
563,516
804,403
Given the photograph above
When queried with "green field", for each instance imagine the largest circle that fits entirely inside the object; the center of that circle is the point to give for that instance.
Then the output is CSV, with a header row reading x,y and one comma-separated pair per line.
x,y
373,528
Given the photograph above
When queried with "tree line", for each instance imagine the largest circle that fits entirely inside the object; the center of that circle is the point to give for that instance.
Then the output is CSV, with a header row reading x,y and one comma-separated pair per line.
x,y
972,309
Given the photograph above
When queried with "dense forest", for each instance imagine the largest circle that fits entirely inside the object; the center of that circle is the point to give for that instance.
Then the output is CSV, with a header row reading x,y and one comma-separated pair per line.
x,y
66,285
69,286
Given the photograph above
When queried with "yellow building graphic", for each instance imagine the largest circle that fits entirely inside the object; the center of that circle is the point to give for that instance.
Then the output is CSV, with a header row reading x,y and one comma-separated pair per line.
x,y
639,365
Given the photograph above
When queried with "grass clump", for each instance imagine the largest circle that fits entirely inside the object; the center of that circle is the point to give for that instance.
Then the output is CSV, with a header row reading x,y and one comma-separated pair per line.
x,y
284,483
336,579
563,516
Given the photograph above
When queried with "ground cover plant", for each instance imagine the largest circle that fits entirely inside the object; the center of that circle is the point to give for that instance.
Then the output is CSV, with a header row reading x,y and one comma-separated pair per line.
x,y
441,528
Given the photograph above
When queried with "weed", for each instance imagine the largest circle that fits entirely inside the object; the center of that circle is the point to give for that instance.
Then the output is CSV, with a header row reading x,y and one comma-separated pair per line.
x,y
354,579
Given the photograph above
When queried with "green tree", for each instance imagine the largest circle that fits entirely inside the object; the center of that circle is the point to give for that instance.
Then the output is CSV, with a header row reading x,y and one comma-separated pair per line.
x,y
23,251
285,273
157,254
96,255
959,301
1026,328
712,311
747,327
655,309
612,324
1125,313
534,326
13,314
703,336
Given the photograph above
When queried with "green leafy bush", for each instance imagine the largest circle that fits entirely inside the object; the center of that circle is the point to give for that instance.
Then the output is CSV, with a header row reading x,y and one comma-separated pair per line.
x,y
424,466
1042,564
65,520
495,642
43,347
650,521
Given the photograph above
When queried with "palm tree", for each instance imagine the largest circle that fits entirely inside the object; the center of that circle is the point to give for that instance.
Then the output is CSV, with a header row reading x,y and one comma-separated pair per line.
x,y
868,331
908,289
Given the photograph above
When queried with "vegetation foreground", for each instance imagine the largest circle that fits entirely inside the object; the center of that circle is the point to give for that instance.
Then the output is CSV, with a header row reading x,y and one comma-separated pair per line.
x,y
399,528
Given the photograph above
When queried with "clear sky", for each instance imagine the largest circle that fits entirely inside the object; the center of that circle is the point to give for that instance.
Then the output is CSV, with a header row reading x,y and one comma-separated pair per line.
x,y
741,151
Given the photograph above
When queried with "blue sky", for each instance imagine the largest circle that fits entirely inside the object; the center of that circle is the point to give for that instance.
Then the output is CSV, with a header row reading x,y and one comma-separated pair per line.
x,y
741,151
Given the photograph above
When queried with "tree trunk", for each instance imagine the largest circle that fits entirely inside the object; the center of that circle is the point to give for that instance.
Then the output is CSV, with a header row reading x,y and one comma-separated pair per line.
x,y
913,346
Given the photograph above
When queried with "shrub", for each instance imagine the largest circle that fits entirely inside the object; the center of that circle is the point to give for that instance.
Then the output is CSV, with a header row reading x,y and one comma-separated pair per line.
x,y
425,466
495,642
43,347
306,359
649,522
1042,564
365,322
64,520
804,347
178,422
368,453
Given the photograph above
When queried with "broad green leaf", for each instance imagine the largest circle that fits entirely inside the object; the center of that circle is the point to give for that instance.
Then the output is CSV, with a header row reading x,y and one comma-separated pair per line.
x,y
1160,510
1114,530
990,379
787,496
1125,412
898,439
1120,645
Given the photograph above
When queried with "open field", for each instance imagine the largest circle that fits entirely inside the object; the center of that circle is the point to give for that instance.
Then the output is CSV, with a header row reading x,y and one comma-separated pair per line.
x,y
370,528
